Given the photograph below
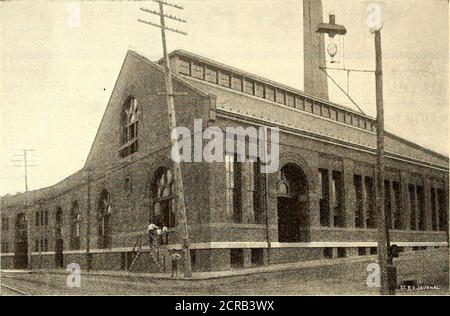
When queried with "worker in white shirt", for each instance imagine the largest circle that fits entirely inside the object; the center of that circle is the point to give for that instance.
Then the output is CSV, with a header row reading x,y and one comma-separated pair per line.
x,y
151,228
165,235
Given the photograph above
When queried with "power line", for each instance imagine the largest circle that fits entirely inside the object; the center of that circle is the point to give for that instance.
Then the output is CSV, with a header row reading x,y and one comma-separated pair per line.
x,y
343,91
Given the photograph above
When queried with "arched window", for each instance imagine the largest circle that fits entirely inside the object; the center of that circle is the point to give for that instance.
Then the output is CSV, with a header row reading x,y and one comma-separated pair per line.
x,y
104,220
290,184
129,122
163,198
75,222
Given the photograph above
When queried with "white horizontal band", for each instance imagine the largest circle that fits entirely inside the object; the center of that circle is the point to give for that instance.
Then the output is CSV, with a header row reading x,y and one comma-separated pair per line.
x,y
250,244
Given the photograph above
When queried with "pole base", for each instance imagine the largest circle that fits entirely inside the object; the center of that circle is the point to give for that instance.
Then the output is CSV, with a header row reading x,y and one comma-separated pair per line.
x,y
392,279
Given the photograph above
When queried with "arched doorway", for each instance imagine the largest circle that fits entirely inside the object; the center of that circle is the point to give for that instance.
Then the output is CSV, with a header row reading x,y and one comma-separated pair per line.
x,y
59,242
292,204
21,243
104,220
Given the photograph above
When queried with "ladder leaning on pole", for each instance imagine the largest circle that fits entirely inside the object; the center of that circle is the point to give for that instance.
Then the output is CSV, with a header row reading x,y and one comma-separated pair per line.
x,y
136,251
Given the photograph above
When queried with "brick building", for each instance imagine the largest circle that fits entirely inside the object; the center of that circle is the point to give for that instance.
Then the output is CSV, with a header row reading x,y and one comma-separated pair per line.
x,y
321,202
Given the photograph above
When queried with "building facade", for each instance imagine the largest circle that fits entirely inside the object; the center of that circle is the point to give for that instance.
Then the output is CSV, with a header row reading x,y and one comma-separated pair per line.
x,y
319,204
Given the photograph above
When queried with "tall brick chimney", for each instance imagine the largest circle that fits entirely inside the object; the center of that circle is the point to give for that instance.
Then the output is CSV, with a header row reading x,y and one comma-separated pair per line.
x,y
315,80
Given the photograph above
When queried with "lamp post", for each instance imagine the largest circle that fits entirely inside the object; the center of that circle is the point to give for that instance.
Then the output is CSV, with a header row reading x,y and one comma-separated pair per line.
x,y
387,270
88,219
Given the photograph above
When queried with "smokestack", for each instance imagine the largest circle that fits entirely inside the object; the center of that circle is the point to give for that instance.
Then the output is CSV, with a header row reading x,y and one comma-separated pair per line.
x,y
315,80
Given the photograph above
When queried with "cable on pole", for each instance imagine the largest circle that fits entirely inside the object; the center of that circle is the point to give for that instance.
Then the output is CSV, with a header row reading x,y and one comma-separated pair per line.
x,y
343,91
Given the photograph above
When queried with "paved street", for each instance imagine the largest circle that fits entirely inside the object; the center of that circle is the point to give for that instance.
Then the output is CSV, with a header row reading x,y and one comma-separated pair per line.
x,y
326,277
55,284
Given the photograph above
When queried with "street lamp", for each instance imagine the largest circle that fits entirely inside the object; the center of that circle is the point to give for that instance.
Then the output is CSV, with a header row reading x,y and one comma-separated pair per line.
x,y
332,29
385,256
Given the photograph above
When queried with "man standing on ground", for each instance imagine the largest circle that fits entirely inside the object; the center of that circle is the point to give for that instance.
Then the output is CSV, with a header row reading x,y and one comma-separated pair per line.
x,y
175,259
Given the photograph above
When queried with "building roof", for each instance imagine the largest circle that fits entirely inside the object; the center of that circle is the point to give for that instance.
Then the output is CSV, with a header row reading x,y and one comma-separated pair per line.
x,y
21,199
248,107
311,114
256,78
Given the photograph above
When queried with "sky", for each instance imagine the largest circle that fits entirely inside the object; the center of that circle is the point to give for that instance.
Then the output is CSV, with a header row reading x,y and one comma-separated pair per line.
x,y
57,71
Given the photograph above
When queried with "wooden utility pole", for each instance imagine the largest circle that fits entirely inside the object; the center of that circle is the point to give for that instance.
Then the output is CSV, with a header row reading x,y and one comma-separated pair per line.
x,y
387,270
88,220
181,206
41,240
263,151
23,162
26,170
383,233
27,203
